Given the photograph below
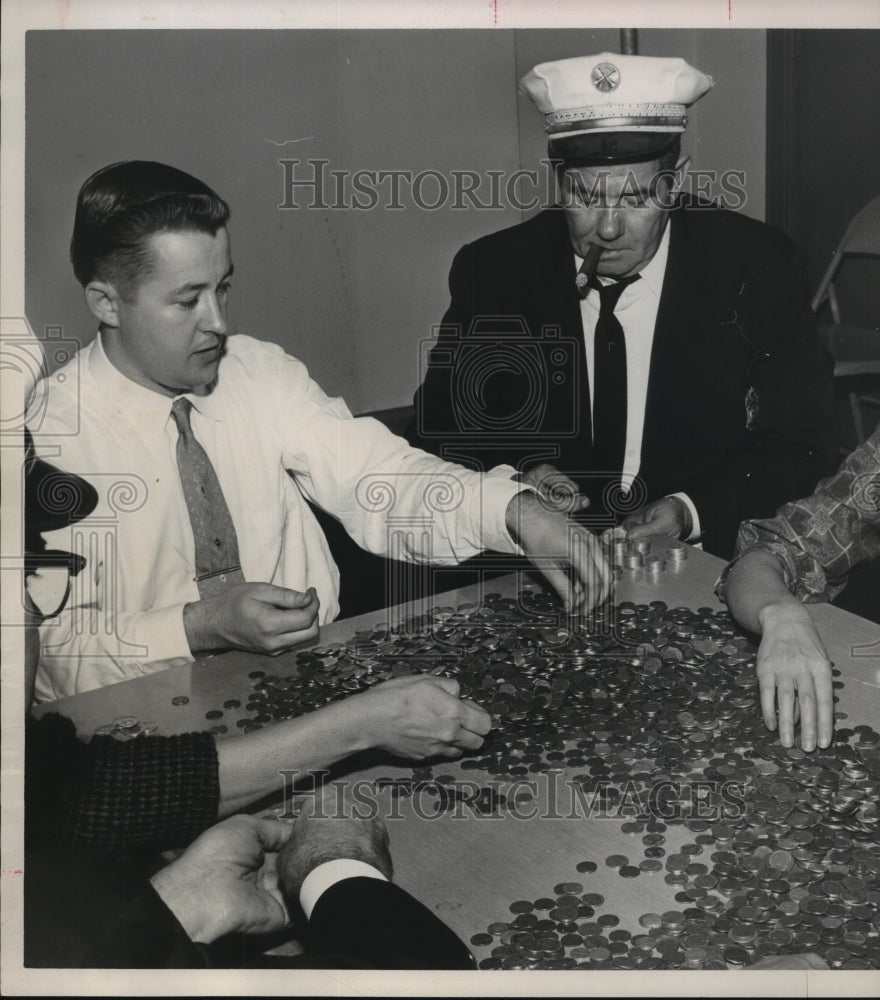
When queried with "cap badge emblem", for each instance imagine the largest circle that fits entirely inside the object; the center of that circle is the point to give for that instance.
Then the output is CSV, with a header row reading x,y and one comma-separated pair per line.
x,y
605,77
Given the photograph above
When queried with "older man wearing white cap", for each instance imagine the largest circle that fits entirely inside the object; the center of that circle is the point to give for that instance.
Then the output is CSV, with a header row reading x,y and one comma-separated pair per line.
x,y
655,352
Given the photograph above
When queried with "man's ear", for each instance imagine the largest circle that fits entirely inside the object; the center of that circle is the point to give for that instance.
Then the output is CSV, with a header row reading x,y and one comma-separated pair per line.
x,y
103,299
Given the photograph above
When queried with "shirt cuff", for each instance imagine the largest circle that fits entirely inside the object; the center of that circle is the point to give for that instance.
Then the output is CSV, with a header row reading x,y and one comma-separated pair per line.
x,y
502,472
696,529
495,496
319,879
161,631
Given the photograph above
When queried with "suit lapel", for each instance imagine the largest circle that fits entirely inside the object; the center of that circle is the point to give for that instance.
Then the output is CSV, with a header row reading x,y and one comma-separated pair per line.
x,y
554,299
680,353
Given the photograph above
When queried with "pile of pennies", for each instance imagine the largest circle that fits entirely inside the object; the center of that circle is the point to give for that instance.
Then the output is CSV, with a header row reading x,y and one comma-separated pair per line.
x,y
780,851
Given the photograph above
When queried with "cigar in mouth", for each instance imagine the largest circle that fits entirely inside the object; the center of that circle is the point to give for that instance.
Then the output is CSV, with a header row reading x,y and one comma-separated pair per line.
x,y
588,268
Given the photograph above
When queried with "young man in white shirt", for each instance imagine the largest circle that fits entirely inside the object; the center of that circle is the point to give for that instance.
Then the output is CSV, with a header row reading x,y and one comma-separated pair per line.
x,y
152,251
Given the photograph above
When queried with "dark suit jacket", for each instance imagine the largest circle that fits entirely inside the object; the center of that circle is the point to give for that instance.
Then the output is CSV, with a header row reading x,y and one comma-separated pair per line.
x,y
734,313
86,908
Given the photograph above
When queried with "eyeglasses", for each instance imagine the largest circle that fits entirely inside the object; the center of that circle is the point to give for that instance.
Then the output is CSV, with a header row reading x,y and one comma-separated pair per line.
x,y
48,577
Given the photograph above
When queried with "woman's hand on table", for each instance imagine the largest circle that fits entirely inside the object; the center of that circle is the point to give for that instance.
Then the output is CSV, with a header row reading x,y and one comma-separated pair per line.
x,y
794,675
419,716
568,555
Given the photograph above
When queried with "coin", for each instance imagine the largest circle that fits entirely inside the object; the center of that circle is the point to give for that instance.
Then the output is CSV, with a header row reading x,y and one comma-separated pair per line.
x,y
180,699
569,888
737,957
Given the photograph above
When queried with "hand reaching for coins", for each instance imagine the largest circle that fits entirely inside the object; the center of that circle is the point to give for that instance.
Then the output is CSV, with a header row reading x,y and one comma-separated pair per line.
x,y
668,516
421,716
568,555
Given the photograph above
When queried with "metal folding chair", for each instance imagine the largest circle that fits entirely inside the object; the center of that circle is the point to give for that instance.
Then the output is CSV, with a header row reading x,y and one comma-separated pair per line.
x,y
854,347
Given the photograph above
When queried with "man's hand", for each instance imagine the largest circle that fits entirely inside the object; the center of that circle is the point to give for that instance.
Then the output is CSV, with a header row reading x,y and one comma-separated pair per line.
x,y
329,829
792,661
669,516
420,716
568,555
555,490
224,883
257,617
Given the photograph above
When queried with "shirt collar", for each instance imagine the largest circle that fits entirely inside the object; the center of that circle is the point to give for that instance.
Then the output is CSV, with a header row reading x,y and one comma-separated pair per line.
x,y
652,273
140,404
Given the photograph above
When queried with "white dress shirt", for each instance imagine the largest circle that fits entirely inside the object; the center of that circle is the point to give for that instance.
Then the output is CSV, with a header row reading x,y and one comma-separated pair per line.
x,y
264,416
636,311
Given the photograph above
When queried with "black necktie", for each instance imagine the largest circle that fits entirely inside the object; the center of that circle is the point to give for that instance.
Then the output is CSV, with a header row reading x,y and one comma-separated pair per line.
x,y
216,544
609,381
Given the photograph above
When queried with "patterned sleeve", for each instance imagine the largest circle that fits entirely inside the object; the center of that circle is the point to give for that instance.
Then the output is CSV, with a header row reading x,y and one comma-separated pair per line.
x,y
154,790
819,539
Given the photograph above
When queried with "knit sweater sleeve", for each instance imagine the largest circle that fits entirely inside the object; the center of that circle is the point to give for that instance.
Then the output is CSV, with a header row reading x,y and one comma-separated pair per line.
x,y
155,790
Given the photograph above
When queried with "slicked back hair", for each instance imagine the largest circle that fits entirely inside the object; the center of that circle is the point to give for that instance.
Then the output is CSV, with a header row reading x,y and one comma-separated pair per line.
x,y
121,206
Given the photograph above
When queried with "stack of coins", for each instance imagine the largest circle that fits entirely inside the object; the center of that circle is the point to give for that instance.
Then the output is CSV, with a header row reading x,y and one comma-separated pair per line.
x,y
633,560
619,549
676,554
654,566
127,727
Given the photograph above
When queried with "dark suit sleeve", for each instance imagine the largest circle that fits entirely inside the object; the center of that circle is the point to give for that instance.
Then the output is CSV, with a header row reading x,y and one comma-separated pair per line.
x,y
369,924
791,448
85,908
146,935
